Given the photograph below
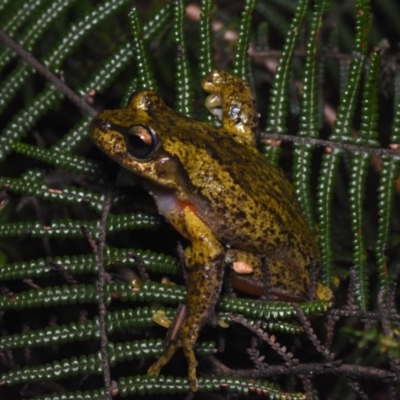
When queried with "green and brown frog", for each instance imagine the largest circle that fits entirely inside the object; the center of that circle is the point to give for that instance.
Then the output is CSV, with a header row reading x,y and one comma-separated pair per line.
x,y
219,192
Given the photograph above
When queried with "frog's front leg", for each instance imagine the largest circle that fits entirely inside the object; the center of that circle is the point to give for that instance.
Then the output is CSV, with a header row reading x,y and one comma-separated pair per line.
x,y
204,260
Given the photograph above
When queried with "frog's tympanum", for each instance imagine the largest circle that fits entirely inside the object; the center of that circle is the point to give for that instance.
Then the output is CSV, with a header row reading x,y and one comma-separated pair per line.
x,y
219,192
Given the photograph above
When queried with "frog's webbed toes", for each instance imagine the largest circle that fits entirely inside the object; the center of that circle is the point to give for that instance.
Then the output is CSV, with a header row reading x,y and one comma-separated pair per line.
x,y
194,385
192,375
155,369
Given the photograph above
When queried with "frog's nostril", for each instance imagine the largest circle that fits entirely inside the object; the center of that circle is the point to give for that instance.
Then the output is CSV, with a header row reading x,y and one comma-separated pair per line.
x,y
101,124
104,125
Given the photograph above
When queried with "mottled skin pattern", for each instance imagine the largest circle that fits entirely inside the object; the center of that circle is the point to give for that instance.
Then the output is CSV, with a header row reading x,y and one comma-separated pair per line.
x,y
227,199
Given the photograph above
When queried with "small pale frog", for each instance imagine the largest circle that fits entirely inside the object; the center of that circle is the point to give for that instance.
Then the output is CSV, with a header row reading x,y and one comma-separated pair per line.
x,y
218,191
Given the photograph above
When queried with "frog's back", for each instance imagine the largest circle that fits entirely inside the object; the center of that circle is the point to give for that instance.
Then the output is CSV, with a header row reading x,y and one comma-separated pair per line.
x,y
242,186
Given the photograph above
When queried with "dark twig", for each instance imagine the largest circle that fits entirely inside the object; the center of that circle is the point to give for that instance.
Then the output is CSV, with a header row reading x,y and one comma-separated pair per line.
x,y
390,303
43,70
100,293
307,386
312,288
351,289
361,314
355,386
31,284
140,266
27,349
176,325
271,340
330,329
392,392
391,295
384,318
254,354
63,272
301,53
329,357
383,314
272,371
330,145
89,238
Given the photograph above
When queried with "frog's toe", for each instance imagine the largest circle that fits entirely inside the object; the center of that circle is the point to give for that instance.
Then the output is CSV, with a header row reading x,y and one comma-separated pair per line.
x,y
192,375
194,384
155,369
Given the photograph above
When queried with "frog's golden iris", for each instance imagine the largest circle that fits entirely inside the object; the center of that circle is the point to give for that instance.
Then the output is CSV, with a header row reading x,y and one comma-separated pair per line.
x,y
218,191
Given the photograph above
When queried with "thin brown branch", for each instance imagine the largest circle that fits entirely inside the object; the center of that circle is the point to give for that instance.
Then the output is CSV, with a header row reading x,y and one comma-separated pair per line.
x,y
384,318
307,386
355,386
270,339
63,272
312,287
356,372
329,144
351,290
362,315
324,351
44,71
330,328
300,53
140,266
100,293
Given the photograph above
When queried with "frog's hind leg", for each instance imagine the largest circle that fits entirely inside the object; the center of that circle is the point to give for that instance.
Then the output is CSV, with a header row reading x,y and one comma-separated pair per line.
x,y
204,259
203,290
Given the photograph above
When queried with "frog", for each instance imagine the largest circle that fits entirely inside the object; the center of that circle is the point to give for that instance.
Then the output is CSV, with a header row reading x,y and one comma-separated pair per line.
x,y
215,187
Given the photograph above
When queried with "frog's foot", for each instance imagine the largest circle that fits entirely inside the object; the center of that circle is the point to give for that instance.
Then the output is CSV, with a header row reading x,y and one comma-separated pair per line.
x,y
204,260
187,347
155,369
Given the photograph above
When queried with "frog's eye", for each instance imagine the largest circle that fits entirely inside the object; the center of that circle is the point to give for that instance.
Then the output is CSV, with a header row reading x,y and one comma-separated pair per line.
x,y
141,142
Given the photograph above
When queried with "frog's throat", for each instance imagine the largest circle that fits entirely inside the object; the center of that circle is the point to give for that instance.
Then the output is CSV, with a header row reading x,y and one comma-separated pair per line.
x,y
170,205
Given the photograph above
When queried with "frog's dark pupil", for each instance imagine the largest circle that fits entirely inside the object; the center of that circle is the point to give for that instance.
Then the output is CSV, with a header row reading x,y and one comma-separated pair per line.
x,y
140,142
